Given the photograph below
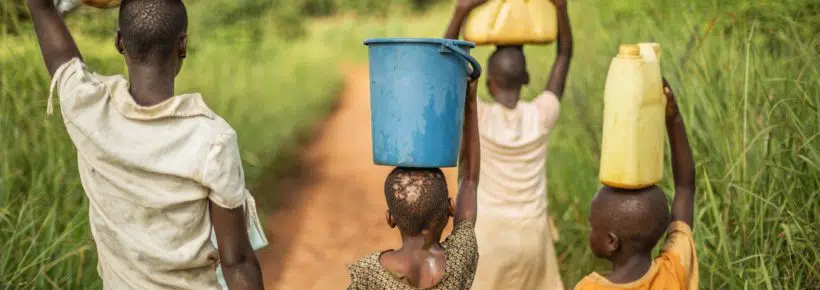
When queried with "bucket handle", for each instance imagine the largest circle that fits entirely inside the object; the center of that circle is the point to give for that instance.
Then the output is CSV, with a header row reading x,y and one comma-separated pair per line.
x,y
469,58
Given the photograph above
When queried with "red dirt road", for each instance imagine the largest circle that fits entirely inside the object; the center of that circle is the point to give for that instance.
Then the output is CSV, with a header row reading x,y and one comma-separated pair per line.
x,y
334,210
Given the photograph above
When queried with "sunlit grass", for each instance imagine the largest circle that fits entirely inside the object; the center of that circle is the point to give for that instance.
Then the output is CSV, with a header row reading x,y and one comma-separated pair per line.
x,y
269,90
749,95
747,75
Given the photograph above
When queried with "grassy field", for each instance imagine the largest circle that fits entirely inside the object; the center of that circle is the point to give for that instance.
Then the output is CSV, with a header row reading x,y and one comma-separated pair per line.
x,y
748,81
747,75
270,90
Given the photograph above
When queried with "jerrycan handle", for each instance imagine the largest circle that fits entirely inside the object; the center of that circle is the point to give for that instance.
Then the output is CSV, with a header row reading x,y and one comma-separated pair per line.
x,y
476,73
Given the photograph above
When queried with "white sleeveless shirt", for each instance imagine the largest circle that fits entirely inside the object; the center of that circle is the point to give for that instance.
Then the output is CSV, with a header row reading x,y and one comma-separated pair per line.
x,y
513,180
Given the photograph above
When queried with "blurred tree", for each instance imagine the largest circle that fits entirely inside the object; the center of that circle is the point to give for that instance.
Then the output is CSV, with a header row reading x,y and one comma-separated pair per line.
x,y
319,7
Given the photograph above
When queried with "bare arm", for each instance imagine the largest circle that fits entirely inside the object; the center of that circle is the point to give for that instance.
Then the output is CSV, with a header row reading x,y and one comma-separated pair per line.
x,y
683,165
463,8
560,68
239,264
469,161
56,43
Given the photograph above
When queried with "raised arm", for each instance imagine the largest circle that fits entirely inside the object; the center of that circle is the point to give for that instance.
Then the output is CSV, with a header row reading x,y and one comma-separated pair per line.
x,y
469,161
239,264
56,43
463,8
560,68
683,166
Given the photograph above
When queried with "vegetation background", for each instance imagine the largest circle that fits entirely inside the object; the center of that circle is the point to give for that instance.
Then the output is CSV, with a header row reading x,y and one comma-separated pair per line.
x,y
747,74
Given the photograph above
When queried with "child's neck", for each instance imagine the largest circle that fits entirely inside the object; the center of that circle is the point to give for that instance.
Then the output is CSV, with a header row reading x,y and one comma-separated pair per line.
x,y
151,85
508,100
420,259
423,241
628,268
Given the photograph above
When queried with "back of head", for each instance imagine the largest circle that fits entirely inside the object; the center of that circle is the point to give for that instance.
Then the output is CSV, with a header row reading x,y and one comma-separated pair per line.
x,y
637,217
507,67
151,29
417,199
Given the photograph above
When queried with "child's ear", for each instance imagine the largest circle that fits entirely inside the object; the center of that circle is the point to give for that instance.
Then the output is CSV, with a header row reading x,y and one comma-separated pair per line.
x,y
451,207
389,218
613,243
490,83
183,46
118,42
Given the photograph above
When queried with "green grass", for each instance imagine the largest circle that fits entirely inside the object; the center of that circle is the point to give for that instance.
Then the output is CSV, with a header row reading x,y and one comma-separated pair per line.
x,y
748,82
746,74
270,90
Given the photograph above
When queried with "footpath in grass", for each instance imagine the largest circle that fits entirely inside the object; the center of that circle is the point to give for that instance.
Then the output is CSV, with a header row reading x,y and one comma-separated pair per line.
x,y
746,73
334,208
747,78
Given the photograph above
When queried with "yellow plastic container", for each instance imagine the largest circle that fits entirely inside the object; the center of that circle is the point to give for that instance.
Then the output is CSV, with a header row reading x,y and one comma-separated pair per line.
x,y
512,22
634,114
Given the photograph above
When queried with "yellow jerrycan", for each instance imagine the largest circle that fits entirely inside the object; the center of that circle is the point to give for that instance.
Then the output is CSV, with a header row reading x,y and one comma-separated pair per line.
x,y
634,114
512,22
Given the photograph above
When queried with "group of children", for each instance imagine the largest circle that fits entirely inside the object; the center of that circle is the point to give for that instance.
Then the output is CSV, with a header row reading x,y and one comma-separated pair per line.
x,y
163,175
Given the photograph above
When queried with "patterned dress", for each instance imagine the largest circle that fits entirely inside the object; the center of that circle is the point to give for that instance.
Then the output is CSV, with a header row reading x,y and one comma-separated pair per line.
x,y
460,264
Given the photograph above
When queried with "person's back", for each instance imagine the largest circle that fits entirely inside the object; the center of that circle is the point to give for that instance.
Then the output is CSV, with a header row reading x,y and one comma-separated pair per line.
x,y
452,266
626,225
148,172
420,207
514,139
162,173
513,155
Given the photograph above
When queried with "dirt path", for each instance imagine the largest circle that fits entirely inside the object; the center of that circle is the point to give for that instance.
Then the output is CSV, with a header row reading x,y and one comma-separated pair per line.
x,y
334,211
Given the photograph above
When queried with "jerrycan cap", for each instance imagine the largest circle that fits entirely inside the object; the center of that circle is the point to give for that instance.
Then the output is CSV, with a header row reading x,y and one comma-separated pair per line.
x,y
655,46
650,51
629,50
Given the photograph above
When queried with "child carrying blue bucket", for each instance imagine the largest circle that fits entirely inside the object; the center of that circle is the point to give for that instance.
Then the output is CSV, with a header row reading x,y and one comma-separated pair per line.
x,y
423,105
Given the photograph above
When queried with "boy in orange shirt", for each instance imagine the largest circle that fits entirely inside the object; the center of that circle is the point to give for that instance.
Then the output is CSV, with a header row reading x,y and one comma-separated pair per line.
x,y
627,224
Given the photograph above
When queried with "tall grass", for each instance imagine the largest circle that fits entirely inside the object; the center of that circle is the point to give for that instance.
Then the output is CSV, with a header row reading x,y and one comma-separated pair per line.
x,y
268,89
747,77
746,73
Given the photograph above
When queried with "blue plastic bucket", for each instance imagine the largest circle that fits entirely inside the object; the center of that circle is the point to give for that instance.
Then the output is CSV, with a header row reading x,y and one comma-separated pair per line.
x,y
417,91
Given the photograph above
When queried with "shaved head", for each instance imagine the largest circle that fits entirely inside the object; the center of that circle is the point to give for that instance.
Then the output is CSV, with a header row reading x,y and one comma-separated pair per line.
x,y
417,198
152,28
508,67
637,217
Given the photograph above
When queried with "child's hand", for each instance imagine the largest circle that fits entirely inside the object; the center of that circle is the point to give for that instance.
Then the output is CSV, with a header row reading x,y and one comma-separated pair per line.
x,y
671,102
472,88
469,4
683,165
